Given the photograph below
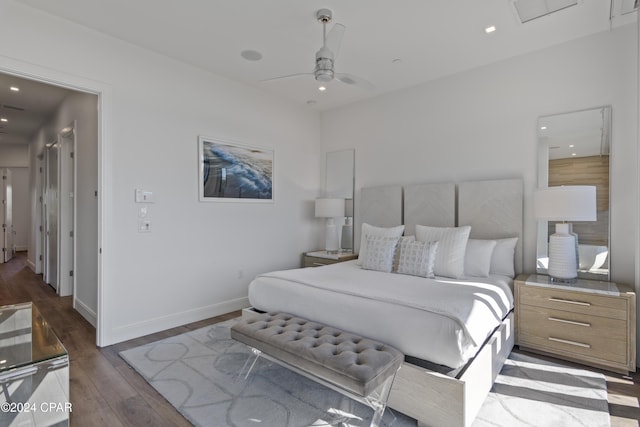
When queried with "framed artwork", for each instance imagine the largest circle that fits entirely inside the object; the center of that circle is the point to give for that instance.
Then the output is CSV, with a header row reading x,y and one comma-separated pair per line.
x,y
233,172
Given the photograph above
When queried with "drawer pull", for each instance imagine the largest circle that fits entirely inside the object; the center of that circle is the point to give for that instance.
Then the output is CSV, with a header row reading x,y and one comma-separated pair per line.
x,y
571,322
586,304
577,344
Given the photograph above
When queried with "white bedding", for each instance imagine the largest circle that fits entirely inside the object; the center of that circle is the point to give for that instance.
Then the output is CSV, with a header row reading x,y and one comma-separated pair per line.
x,y
444,321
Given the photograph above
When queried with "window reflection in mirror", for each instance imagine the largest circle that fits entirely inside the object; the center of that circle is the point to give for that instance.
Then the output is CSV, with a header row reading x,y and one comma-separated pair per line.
x,y
339,183
574,149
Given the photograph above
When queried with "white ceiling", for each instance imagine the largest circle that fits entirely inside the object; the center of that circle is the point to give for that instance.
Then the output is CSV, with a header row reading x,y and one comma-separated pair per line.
x,y
392,44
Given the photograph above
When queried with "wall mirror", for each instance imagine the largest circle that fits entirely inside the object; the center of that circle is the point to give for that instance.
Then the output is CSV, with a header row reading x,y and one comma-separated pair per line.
x,y
340,183
573,149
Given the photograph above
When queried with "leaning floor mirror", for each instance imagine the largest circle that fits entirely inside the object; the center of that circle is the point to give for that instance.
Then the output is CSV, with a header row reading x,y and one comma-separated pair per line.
x,y
339,183
574,149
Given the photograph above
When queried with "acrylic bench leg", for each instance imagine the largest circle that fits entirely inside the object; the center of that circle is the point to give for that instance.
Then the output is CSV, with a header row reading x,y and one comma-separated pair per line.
x,y
378,400
249,363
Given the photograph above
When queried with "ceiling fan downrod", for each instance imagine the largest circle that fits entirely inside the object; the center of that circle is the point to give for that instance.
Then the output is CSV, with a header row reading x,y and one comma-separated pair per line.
x,y
324,57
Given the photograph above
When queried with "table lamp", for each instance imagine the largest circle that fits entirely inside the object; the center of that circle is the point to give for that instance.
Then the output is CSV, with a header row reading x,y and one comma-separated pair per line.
x,y
330,209
565,203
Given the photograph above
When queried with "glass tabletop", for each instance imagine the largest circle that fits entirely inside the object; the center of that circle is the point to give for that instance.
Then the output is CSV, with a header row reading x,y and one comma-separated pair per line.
x,y
25,337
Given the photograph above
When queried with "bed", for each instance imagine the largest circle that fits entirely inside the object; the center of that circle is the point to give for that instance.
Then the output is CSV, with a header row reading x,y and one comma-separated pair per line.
x,y
456,332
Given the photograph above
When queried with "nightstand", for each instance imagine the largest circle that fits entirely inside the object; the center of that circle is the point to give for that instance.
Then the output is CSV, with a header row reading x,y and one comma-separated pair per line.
x,y
318,258
589,322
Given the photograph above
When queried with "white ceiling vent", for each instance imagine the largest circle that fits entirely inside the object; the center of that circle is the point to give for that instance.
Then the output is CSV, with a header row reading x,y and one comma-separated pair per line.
x,y
529,10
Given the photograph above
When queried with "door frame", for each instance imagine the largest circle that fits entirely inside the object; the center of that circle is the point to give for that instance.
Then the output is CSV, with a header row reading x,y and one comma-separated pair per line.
x,y
67,189
103,91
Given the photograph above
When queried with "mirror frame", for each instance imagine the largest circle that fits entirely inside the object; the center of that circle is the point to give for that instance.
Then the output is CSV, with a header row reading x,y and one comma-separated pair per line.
x,y
542,234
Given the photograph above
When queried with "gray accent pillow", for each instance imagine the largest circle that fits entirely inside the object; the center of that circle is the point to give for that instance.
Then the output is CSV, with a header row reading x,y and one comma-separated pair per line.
x,y
379,255
417,258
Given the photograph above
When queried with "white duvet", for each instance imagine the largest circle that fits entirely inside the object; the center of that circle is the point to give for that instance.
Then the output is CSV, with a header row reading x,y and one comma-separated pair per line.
x,y
441,320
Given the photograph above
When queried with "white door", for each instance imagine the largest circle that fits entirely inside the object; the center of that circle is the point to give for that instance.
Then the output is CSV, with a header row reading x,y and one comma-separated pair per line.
x,y
66,215
51,261
7,216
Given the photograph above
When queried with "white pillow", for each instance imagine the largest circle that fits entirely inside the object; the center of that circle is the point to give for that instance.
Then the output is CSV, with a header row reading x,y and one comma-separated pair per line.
x,y
370,230
477,258
380,251
417,258
451,248
502,261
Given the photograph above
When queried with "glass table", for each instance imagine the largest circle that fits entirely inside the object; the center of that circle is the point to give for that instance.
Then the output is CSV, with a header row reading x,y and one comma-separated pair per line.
x,y
34,370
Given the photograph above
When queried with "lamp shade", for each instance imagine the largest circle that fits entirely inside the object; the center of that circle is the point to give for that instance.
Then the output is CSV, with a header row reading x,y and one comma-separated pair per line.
x,y
566,203
329,208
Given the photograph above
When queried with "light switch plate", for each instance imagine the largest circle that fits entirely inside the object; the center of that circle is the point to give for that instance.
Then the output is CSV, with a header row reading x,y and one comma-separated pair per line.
x,y
144,196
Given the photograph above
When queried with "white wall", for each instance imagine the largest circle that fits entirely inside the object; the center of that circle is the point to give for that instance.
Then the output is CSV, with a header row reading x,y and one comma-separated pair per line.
x,y
481,124
14,155
199,257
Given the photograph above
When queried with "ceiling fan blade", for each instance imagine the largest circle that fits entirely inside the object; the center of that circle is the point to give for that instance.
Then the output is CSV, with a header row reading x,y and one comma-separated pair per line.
x,y
334,39
288,76
352,80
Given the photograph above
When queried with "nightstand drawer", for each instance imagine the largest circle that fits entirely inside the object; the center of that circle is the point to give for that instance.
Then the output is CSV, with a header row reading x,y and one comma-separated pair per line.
x,y
577,302
310,261
575,333
320,258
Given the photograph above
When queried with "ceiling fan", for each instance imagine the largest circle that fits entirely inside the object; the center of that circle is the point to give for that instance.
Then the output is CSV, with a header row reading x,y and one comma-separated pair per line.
x,y
325,57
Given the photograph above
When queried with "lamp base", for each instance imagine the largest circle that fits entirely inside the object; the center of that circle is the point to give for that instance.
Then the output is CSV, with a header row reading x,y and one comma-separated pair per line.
x,y
562,254
346,241
331,237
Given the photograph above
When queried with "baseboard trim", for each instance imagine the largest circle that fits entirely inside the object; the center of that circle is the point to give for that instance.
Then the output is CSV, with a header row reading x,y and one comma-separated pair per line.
x,y
150,326
32,266
85,311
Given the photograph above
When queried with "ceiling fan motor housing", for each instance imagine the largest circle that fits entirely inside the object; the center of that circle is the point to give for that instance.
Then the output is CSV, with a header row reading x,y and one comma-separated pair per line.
x,y
324,65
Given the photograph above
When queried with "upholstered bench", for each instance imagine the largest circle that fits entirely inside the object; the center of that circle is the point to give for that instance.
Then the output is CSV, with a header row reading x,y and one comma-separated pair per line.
x,y
358,367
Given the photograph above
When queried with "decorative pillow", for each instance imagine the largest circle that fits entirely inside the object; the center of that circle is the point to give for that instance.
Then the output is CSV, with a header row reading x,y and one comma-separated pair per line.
x,y
417,258
451,248
379,254
477,258
370,230
396,256
502,261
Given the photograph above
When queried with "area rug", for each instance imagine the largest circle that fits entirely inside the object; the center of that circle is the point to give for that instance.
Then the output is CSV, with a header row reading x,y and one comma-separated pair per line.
x,y
197,373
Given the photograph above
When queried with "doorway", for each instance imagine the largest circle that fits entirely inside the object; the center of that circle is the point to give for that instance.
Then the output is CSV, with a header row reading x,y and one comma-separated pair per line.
x,y
65,186
6,216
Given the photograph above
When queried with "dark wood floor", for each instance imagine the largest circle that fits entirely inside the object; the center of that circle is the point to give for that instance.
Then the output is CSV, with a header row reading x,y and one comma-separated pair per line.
x,y
106,392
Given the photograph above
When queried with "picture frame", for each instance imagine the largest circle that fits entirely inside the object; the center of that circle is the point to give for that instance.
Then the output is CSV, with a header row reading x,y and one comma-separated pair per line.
x,y
235,172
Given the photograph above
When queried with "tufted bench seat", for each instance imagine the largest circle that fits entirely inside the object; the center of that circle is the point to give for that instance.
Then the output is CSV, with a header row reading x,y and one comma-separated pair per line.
x,y
360,366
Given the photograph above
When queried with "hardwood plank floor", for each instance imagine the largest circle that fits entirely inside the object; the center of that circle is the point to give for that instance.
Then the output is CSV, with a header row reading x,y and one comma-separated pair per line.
x,y
105,391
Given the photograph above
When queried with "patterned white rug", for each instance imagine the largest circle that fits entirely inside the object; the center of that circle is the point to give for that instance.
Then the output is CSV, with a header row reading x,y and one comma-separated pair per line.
x,y
197,373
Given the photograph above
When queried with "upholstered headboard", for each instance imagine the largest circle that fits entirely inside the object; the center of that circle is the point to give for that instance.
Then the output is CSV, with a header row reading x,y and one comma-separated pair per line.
x,y
493,209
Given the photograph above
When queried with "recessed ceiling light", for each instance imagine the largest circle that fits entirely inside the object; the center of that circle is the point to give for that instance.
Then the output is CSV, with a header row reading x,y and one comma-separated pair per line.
x,y
322,88
571,145
574,154
543,127
3,120
490,29
15,88
251,55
